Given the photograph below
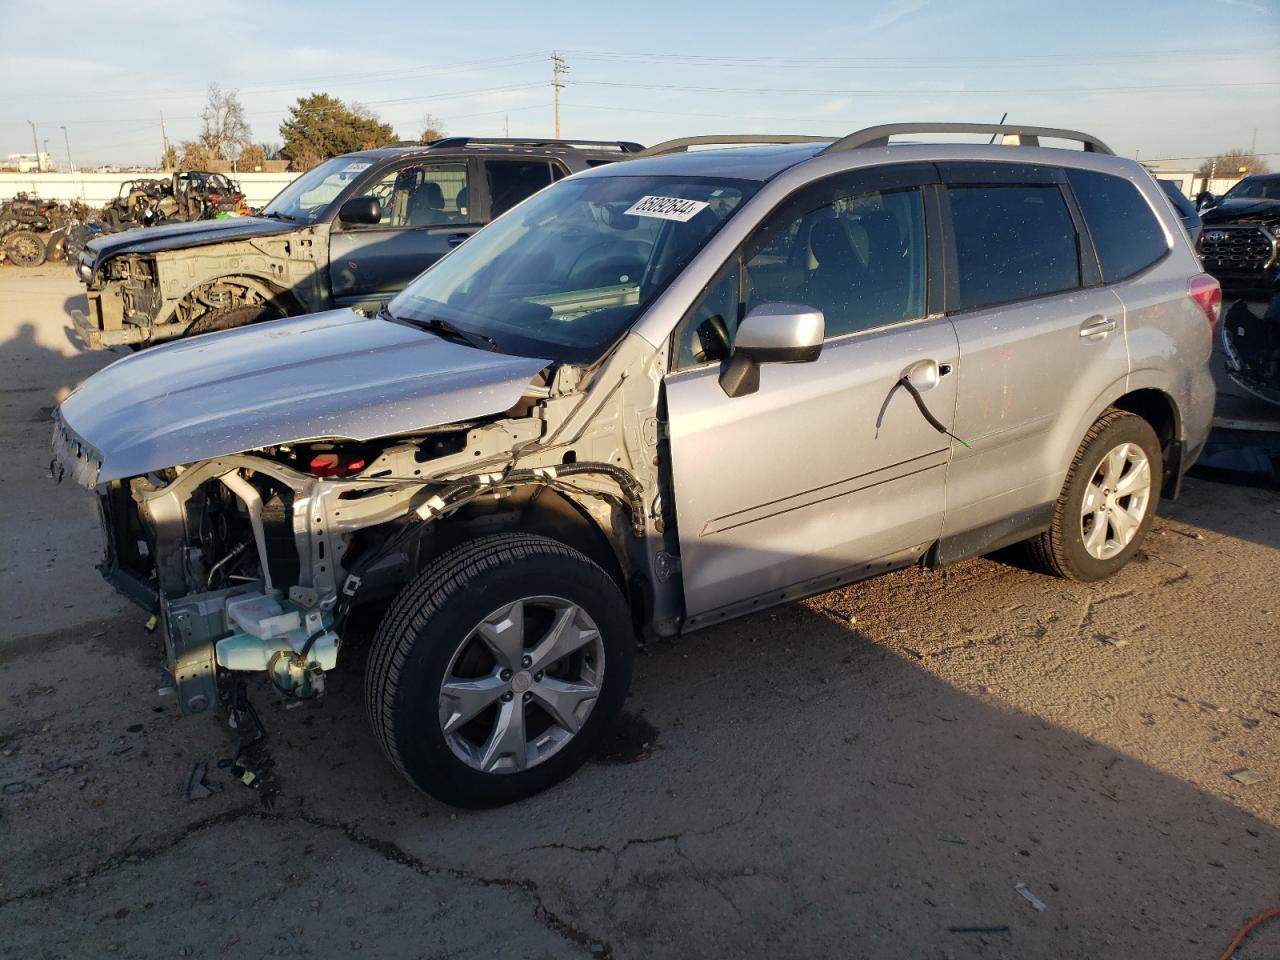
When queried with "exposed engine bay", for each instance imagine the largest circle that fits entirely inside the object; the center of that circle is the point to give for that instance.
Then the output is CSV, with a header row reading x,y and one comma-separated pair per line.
x,y
253,561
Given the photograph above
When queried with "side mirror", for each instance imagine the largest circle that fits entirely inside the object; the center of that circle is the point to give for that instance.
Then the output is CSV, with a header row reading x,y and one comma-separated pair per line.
x,y
771,333
1205,200
366,210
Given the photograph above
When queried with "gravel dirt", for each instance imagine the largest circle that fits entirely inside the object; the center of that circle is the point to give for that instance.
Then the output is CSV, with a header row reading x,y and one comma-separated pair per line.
x,y
867,774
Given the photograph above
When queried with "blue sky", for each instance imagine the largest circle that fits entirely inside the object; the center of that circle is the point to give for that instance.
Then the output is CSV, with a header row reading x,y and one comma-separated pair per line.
x,y
1160,80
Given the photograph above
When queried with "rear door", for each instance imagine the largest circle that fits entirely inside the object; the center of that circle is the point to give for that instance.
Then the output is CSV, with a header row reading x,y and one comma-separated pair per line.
x,y
828,472
1040,340
425,214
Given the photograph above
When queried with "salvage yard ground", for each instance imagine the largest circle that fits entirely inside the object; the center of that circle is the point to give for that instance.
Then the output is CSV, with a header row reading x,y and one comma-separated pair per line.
x,y
865,774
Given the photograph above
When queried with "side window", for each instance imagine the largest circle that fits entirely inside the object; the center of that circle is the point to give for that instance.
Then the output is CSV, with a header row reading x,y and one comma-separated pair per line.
x,y
422,195
710,329
510,181
1013,241
1125,231
859,257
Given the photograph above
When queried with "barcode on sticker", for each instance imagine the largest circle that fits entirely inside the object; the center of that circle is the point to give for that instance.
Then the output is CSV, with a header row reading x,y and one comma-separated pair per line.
x,y
667,208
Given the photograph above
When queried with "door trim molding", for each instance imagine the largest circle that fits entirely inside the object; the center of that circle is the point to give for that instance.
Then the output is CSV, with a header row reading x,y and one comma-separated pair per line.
x,y
830,491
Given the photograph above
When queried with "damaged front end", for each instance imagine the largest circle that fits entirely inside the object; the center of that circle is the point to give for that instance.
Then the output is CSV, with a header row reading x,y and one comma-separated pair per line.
x,y
236,558
252,561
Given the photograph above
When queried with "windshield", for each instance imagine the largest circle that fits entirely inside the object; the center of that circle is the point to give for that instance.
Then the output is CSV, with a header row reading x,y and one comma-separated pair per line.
x,y
1255,188
564,274
305,200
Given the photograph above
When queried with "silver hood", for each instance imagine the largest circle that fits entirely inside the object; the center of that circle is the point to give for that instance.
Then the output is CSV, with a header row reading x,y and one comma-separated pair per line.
x,y
335,374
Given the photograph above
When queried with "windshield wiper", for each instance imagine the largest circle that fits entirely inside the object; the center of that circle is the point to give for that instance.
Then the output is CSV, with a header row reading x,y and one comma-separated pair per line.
x,y
440,326
280,216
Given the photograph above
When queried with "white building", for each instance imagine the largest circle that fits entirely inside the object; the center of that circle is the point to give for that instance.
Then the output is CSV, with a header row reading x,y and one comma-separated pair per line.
x,y
30,162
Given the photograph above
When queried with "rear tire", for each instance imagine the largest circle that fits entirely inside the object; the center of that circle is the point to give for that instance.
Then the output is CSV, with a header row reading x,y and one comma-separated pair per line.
x,y
25,248
1107,504
475,718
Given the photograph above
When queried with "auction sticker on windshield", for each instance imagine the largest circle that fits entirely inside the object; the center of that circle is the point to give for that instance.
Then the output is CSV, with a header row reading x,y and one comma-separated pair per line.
x,y
667,208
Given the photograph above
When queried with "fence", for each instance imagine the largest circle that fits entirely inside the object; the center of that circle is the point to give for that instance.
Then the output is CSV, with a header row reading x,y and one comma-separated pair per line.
x,y
96,189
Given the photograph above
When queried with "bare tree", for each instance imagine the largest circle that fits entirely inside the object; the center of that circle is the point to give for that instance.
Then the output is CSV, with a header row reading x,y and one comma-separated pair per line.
x,y
432,128
1233,163
224,122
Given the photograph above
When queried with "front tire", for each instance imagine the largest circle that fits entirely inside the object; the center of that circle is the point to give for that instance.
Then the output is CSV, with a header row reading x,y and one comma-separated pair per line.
x,y
1107,504
496,671
233,317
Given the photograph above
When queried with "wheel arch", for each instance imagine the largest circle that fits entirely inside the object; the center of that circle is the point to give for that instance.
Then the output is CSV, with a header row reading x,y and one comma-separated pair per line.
x,y
1144,394
1161,412
266,287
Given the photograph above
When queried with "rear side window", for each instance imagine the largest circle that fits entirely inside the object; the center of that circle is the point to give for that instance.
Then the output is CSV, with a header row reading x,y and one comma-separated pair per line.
x,y
1124,228
510,181
1013,241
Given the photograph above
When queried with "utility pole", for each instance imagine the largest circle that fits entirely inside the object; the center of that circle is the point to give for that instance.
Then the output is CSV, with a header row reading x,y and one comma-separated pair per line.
x,y
164,135
35,142
1253,144
558,69
71,165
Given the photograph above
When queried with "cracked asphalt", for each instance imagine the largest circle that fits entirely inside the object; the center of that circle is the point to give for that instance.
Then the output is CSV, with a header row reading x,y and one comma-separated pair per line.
x,y
866,774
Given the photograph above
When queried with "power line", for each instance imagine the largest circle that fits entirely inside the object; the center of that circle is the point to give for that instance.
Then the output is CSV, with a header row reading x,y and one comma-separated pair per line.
x,y
997,59
919,92
381,76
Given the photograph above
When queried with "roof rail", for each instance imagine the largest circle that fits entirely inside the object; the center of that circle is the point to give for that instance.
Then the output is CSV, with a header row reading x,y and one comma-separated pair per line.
x,y
1026,136
625,146
682,144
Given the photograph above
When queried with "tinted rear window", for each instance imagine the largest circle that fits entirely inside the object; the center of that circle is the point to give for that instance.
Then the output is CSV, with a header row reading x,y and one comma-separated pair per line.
x,y
1012,242
1125,230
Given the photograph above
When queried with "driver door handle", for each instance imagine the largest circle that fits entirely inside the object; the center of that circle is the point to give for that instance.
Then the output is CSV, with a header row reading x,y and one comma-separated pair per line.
x,y
1097,327
456,238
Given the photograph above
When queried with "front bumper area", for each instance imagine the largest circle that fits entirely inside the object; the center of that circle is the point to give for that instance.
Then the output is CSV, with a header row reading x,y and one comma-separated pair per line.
x,y
97,339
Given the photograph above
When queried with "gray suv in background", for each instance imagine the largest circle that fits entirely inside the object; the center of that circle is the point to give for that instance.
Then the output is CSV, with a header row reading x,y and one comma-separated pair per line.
x,y
350,232
651,398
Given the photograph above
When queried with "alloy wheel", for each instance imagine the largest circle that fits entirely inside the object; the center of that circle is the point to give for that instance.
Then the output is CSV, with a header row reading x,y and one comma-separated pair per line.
x,y
1115,501
521,684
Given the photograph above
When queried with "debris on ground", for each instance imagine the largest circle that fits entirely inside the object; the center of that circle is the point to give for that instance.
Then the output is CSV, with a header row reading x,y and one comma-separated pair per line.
x,y
1025,892
1110,640
197,789
1246,776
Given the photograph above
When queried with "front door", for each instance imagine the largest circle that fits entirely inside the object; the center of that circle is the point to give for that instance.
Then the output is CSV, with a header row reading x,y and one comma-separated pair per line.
x,y
828,472
425,214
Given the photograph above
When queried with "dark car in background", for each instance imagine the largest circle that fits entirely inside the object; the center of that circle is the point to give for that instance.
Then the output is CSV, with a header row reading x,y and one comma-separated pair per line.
x,y
1241,247
1186,209
350,232
1242,235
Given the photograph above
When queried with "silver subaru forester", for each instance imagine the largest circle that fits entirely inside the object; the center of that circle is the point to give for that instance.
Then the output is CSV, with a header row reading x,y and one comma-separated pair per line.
x,y
653,397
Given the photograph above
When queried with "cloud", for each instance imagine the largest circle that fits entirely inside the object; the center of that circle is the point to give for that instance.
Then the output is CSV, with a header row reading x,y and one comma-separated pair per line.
x,y
1256,7
899,10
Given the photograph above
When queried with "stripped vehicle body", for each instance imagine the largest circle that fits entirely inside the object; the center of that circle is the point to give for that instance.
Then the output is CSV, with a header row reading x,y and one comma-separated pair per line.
x,y
706,459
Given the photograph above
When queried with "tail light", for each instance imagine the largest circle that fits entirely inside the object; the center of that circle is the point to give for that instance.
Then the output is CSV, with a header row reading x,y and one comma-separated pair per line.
x,y
1207,293
336,465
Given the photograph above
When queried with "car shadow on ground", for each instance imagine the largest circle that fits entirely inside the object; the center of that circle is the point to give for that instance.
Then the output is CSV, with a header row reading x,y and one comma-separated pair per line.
x,y
808,787
804,787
